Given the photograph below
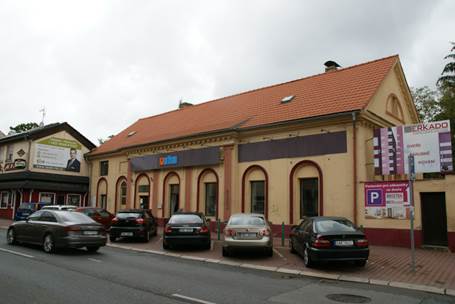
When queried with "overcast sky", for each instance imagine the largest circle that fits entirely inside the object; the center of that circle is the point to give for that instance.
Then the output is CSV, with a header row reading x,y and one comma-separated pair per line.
x,y
101,65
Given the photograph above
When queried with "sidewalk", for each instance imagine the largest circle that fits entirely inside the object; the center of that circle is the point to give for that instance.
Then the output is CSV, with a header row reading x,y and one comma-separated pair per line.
x,y
435,270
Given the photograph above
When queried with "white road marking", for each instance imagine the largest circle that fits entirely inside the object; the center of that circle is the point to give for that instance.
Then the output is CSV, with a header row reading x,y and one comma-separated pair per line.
x,y
176,295
277,252
17,253
94,260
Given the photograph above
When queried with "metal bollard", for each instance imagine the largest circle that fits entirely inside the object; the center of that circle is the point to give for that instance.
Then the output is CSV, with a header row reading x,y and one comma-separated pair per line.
x,y
282,234
218,228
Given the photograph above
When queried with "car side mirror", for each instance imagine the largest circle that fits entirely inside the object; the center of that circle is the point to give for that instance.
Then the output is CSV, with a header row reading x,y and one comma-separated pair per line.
x,y
26,220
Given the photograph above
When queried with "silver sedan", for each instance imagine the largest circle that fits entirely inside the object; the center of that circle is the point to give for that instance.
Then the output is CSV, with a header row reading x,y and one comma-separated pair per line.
x,y
248,231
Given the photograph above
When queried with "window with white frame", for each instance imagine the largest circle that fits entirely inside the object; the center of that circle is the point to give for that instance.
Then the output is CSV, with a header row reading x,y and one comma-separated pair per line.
x,y
47,198
74,199
2,152
9,153
4,199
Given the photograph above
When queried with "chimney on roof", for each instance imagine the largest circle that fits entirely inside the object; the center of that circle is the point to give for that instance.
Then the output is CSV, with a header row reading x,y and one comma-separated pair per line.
x,y
331,66
183,104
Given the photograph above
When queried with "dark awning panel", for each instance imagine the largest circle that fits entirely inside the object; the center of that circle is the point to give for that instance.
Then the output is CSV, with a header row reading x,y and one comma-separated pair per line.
x,y
44,186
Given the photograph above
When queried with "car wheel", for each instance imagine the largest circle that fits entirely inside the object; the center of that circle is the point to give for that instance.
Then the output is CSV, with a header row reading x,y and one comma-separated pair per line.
x,y
11,237
113,239
307,258
48,244
208,245
292,247
93,248
269,252
226,252
166,246
360,263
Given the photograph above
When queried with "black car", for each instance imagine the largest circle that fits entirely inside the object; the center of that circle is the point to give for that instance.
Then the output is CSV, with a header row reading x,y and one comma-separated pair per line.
x,y
186,228
58,229
133,223
329,239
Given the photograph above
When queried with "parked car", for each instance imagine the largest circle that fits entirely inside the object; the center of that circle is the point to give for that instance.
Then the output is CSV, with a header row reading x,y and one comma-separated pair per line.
x,y
329,239
99,215
186,228
58,229
248,231
60,207
24,210
139,223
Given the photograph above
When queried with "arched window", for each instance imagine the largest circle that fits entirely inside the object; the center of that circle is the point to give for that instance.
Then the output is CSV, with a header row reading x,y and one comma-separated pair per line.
x,y
254,190
393,107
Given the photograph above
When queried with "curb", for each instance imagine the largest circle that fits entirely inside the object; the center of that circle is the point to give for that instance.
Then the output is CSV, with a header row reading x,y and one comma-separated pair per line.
x,y
320,275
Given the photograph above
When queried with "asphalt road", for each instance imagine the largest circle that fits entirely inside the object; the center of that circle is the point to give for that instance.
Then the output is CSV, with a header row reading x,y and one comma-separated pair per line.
x,y
28,275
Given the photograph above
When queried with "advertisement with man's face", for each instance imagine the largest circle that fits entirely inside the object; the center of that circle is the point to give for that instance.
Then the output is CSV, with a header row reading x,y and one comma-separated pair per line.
x,y
58,154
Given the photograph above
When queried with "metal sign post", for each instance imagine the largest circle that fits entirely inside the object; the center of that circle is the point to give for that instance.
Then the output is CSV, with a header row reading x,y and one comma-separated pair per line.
x,y
412,177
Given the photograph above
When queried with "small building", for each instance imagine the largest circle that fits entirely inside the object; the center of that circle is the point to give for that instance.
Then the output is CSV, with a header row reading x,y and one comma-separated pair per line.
x,y
43,165
295,149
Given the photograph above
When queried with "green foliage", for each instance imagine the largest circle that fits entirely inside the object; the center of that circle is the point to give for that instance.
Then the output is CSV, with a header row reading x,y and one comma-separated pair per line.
x,y
102,141
427,103
447,80
24,127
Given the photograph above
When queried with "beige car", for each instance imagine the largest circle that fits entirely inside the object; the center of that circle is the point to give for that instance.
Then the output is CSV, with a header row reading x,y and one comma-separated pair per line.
x,y
248,231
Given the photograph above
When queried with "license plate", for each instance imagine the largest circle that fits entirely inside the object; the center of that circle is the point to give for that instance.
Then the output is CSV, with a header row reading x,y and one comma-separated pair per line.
x,y
126,234
344,243
248,235
186,229
90,232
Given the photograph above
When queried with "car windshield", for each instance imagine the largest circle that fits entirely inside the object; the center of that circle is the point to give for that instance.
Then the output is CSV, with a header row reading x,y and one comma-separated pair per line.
x,y
124,215
185,219
334,225
26,206
74,217
247,220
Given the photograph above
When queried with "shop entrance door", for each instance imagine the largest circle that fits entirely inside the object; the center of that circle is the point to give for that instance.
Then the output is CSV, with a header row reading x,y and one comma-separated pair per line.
x,y
144,202
174,199
434,218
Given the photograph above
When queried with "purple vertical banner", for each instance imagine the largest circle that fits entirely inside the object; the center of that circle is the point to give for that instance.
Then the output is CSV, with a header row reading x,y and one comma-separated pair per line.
x,y
400,151
384,139
445,152
377,151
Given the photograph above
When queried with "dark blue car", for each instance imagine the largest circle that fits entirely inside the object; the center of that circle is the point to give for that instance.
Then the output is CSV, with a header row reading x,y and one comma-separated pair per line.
x,y
26,209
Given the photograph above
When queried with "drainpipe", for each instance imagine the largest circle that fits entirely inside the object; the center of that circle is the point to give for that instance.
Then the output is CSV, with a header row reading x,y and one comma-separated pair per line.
x,y
354,165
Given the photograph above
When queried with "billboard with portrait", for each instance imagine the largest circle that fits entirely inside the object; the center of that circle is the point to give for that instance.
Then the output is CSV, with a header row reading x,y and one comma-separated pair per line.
x,y
58,154
430,143
387,200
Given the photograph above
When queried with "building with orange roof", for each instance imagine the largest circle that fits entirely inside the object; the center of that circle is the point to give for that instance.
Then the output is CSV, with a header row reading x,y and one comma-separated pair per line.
x,y
295,149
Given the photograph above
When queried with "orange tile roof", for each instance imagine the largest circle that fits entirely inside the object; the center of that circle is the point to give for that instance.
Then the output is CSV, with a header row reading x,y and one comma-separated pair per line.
x,y
346,89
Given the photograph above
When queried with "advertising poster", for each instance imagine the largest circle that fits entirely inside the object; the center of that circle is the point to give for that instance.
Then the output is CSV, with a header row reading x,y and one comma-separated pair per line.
x,y
58,154
430,143
387,200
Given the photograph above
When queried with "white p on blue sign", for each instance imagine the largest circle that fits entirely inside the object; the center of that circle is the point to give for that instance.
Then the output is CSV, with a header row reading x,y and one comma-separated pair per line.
x,y
374,197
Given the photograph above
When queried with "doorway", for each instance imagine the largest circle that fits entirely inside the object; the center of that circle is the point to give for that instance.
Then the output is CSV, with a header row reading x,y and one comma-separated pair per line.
x,y
174,199
434,218
144,202
309,197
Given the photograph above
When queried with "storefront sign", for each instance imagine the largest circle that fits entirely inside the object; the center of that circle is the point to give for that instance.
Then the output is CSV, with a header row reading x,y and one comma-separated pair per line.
x,y
430,143
18,164
58,154
180,159
169,160
387,200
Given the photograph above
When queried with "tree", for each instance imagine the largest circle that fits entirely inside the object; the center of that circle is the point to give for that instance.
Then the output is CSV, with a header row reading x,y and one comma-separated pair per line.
x,y
102,141
23,127
447,79
427,103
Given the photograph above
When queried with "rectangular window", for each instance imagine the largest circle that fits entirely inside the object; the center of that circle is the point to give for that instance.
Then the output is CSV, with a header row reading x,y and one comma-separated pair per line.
x,y
143,188
210,198
123,193
47,198
103,201
309,197
74,199
9,153
257,196
2,152
4,199
104,167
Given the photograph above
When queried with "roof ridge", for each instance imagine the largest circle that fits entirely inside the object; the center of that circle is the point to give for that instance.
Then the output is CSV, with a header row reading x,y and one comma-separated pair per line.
x,y
271,86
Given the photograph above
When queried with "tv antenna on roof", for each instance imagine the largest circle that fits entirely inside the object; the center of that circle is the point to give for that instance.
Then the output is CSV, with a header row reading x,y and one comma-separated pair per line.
x,y
43,110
